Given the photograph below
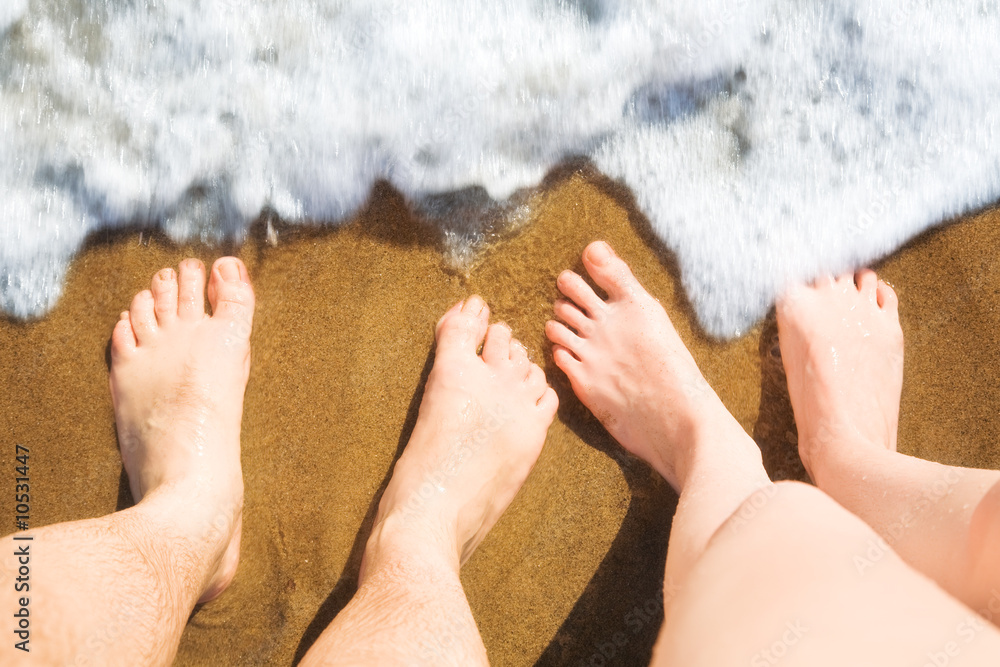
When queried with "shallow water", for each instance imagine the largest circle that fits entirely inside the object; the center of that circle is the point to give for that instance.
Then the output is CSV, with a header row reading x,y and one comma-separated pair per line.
x,y
765,141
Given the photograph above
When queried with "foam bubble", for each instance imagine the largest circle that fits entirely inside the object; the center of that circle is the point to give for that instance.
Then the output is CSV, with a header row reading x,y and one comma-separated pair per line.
x,y
766,140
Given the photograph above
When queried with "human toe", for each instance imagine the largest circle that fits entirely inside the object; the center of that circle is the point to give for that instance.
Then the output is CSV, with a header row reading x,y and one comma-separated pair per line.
x,y
230,292
548,403
867,283
886,296
123,337
496,348
536,382
191,290
143,317
569,313
560,334
164,289
609,271
576,289
475,306
519,357
518,352
463,327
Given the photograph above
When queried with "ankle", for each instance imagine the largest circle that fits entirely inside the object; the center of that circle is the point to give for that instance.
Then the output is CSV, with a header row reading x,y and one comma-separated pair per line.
x,y
198,521
411,543
715,446
180,553
828,459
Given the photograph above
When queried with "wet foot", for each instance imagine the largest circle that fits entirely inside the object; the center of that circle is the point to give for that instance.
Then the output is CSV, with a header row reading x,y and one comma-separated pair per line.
x,y
481,427
842,348
627,364
177,382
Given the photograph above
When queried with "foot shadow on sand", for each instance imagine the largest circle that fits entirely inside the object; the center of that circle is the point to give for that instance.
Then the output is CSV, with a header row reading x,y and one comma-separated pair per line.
x,y
347,585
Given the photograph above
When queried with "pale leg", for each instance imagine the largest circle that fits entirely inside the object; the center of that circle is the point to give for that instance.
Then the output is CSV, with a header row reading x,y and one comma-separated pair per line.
x,y
779,584
481,427
628,365
753,568
842,348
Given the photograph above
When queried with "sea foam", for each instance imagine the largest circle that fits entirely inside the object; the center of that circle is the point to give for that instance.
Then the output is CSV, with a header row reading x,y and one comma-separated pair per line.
x,y
767,141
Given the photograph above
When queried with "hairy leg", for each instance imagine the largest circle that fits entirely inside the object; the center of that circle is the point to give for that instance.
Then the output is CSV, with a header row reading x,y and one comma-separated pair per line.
x,y
481,427
118,590
627,364
842,348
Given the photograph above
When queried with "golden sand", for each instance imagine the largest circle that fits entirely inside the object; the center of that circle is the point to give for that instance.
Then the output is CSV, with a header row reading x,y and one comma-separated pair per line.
x,y
342,344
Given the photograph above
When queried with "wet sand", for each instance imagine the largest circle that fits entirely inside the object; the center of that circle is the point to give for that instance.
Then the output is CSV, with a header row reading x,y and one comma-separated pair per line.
x,y
342,344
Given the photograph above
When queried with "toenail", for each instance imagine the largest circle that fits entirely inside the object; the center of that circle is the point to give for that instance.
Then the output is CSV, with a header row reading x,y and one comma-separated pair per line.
x,y
166,274
599,253
229,270
475,303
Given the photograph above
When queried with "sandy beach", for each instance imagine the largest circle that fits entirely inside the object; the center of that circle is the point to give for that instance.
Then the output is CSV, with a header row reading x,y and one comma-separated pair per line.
x,y
342,344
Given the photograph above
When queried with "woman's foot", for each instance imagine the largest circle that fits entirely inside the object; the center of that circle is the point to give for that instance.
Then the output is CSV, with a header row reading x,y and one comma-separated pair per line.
x,y
627,364
481,427
177,382
842,348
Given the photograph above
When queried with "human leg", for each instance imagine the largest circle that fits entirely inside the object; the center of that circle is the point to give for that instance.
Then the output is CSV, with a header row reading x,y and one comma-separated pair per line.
x,y
842,348
780,583
627,364
754,570
119,589
480,429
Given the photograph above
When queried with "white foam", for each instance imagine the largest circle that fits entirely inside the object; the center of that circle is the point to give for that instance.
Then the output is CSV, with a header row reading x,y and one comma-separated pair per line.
x,y
11,12
765,140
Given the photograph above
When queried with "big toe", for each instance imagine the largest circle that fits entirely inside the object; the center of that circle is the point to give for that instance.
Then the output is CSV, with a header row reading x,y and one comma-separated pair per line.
x,y
229,291
463,327
609,271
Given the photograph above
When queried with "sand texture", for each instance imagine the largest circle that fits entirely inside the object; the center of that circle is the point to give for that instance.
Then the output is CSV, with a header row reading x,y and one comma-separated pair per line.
x,y
341,347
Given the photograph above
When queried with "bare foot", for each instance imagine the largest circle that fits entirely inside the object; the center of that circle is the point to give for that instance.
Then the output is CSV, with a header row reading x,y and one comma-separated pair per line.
x,y
630,368
481,427
177,381
842,349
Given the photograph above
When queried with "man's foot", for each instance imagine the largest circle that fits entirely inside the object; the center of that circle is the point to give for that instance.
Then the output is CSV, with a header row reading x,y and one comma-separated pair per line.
x,y
177,382
627,364
481,427
842,349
